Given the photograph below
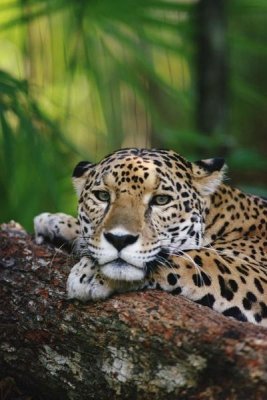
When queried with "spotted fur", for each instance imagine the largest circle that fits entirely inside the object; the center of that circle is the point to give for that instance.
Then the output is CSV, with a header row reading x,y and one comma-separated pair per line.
x,y
151,219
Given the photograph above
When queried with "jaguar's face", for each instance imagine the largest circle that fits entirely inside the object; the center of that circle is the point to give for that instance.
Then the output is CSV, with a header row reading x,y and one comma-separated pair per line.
x,y
137,207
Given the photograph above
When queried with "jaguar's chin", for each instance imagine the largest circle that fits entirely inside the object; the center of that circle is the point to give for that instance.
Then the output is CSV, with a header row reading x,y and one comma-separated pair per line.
x,y
120,270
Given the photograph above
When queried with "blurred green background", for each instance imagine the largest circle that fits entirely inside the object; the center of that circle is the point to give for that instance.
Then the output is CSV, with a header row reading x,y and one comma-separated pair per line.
x,y
79,79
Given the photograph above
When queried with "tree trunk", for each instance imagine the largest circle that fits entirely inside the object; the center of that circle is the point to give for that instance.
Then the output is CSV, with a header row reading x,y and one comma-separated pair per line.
x,y
212,70
133,346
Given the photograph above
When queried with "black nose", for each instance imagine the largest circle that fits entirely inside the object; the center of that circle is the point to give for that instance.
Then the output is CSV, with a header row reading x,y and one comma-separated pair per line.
x,y
120,241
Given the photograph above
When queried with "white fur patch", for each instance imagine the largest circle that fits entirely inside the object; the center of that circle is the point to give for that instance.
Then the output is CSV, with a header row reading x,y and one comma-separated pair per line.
x,y
122,272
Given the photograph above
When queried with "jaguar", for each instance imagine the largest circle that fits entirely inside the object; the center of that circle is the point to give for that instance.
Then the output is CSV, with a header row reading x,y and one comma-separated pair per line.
x,y
150,219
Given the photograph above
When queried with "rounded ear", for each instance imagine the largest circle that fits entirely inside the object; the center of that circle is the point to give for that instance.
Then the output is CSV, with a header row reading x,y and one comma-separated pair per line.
x,y
208,174
80,174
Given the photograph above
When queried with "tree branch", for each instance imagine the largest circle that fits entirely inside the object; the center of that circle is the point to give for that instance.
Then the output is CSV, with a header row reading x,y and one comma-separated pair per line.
x,y
132,346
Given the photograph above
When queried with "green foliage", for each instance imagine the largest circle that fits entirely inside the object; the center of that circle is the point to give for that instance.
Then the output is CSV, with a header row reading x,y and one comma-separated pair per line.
x,y
123,57
79,79
33,156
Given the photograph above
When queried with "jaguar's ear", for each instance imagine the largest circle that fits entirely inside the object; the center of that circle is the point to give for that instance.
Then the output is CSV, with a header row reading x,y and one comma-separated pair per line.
x,y
208,174
80,174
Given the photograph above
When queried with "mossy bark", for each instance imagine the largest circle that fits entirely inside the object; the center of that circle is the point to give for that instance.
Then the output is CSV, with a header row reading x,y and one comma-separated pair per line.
x,y
133,346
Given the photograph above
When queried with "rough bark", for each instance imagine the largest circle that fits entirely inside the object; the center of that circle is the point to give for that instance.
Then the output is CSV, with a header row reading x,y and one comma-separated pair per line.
x,y
133,346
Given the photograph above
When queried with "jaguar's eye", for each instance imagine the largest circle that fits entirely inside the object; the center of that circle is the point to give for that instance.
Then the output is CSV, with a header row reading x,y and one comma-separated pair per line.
x,y
161,199
102,195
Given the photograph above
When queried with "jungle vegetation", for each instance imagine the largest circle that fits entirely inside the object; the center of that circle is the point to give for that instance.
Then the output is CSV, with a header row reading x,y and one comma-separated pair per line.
x,y
79,79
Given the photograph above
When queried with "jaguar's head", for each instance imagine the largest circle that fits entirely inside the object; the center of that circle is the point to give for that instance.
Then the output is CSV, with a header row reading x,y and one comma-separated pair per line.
x,y
138,206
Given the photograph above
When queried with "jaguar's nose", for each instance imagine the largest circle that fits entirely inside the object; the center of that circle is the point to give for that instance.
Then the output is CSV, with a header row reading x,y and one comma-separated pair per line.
x,y
120,241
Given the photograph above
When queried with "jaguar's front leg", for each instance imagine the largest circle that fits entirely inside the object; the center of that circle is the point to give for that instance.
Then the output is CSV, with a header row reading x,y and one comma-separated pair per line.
x,y
210,279
86,282
58,228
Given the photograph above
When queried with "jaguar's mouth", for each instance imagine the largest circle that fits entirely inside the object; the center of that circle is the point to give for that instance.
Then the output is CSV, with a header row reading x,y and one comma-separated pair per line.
x,y
120,270
160,259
